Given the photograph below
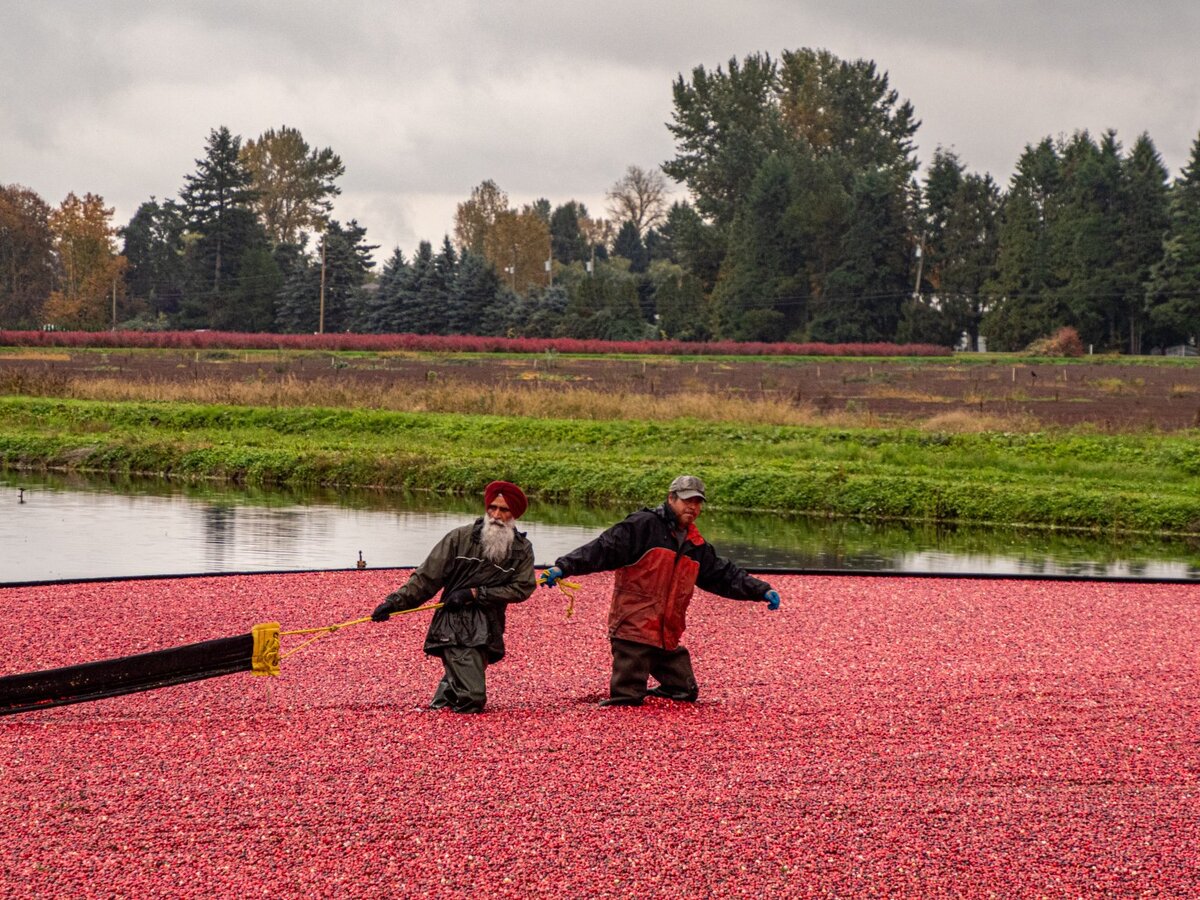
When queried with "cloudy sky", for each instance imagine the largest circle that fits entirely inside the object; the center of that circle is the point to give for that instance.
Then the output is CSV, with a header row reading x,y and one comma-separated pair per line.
x,y
423,101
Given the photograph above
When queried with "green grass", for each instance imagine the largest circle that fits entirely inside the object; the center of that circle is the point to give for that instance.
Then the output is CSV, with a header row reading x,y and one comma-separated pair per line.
x,y
1118,483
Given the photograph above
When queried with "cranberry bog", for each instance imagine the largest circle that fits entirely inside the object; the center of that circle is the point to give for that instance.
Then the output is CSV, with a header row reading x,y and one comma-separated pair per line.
x,y
875,737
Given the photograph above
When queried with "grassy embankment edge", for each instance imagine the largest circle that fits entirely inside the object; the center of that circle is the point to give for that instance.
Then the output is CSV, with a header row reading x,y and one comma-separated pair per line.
x,y
1101,483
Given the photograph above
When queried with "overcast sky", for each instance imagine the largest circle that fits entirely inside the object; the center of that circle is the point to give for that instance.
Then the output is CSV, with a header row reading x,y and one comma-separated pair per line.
x,y
423,101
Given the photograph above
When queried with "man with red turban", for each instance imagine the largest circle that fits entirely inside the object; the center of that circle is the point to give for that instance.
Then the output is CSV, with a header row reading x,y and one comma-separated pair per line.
x,y
479,568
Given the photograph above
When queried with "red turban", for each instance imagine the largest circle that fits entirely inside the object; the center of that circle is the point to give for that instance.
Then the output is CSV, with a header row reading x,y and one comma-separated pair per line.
x,y
513,495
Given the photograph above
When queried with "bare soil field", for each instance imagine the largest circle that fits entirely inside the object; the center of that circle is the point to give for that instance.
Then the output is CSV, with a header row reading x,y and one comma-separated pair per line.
x,y
1110,394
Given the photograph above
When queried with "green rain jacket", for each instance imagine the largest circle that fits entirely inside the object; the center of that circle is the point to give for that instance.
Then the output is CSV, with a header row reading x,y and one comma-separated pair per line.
x,y
458,562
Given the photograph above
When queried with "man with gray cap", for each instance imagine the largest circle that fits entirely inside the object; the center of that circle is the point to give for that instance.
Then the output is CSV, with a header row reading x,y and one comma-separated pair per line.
x,y
659,558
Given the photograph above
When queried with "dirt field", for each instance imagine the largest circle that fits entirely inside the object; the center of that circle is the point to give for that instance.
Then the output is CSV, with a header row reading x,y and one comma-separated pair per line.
x,y
1110,394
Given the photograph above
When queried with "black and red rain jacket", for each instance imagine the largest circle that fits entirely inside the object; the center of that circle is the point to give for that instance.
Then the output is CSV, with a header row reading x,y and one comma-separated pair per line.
x,y
656,575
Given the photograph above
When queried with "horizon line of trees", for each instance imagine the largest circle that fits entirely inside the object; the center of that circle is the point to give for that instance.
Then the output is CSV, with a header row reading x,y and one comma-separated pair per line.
x,y
806,220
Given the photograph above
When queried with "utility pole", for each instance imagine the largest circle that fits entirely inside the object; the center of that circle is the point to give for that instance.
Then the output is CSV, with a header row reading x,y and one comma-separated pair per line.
x,y
114,305
321,316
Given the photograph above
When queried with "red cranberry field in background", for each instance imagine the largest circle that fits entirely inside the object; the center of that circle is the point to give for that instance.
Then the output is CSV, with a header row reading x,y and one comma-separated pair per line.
x,y
875,737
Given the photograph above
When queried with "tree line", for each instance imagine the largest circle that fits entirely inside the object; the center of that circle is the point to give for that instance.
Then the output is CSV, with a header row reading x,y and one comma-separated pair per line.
x,y
806,220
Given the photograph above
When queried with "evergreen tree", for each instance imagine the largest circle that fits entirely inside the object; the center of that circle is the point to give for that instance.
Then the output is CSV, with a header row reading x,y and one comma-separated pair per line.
x,y
567,242
764,272
296,306
380,310
694,244
958,240
215,200
255,294
347,264
680,304
1144,218
1084,234
423,302
656,247
1173,293
863,295
605,307
628,244
540,313
1025,303
155,279
476,302
781,242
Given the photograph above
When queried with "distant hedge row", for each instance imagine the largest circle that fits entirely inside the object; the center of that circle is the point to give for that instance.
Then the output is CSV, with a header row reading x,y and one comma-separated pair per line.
x,y
228,340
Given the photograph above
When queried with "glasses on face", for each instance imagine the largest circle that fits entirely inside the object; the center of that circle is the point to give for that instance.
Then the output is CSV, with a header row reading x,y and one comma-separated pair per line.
x,y
495,508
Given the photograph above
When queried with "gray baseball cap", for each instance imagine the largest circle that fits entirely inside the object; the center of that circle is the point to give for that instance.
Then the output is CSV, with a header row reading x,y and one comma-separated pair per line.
x,y
685,487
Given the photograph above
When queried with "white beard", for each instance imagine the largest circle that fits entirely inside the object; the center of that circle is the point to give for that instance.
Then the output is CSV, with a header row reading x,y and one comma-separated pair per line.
x,y
496,539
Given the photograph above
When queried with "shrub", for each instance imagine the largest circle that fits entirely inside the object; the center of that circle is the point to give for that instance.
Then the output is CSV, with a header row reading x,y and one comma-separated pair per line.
x,y
455,343
1064,342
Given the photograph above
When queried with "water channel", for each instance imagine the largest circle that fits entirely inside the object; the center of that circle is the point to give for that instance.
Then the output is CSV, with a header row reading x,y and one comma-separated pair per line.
x,y
67,527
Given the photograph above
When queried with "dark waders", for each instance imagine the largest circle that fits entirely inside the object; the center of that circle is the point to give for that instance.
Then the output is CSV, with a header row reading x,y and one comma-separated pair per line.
x,y
634,663
463,687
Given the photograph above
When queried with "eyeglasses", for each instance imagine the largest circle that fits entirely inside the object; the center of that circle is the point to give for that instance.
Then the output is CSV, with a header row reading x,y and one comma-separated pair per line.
x,y
493,507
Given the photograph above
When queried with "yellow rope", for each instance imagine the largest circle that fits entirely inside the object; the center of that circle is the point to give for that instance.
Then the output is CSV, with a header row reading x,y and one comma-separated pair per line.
x,y
330,629
567,587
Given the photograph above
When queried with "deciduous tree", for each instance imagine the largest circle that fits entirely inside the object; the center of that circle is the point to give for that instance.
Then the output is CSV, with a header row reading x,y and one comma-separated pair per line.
x,y
846,110
474,218
639,197
293,184
725,125
517,245
26,257
89,281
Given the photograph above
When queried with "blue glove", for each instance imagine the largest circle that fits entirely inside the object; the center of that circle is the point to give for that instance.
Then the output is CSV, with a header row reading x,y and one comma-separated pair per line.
x,y
550,576
773,599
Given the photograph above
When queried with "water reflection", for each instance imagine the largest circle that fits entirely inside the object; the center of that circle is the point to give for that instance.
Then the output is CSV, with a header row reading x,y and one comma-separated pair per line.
x,y
57,527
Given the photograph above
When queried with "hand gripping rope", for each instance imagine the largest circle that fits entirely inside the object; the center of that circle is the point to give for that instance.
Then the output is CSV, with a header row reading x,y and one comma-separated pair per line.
x,y
566,587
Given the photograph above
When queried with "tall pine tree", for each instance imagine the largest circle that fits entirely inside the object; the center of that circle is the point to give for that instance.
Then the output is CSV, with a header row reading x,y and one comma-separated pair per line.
x,y
1173,294
1145,219
1025,304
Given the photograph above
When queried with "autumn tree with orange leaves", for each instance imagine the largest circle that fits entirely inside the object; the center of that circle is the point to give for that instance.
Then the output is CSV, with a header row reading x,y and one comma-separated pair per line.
x,y
89,280
26,257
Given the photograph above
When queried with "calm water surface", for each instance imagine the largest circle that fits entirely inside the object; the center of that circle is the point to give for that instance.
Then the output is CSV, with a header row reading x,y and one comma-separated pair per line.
x,y
66,527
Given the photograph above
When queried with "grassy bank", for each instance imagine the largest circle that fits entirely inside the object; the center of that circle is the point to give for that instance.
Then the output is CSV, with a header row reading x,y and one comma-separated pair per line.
x,y
1119,483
